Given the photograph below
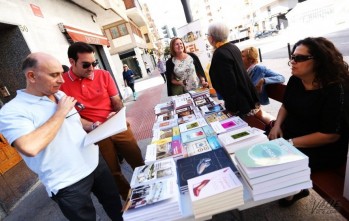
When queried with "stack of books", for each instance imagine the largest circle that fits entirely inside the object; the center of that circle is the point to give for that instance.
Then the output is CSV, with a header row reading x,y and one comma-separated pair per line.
x,y
215,192
240,138
158,200
201,164
273,168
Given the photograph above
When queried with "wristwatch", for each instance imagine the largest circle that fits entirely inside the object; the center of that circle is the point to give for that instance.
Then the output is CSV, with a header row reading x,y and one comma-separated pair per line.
x,y
290,141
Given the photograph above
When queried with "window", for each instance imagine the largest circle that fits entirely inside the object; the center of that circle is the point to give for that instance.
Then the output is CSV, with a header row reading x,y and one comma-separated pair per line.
x,y
118,31
147,40
136,31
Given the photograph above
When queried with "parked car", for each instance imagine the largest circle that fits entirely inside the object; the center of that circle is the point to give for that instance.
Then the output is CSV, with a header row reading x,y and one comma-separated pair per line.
x,y
266,33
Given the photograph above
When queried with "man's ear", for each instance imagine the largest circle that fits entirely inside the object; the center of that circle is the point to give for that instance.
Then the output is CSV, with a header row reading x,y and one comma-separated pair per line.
x,y
71,61
30,76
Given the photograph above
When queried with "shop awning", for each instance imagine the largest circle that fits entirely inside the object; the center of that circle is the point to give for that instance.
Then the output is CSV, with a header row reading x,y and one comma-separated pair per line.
x,y
76,34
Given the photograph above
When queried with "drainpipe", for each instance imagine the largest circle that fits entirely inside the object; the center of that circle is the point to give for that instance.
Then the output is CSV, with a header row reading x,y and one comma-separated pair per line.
x,y
187,11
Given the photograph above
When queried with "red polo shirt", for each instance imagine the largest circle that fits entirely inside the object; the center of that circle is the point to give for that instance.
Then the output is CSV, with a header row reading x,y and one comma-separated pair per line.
x,y
93,92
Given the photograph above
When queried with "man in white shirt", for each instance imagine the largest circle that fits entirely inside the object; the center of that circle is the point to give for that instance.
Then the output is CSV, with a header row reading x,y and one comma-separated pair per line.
x,y
43,125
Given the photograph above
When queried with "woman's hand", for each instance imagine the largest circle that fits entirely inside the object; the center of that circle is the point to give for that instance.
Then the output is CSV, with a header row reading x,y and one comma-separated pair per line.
x,y
275,133
204,83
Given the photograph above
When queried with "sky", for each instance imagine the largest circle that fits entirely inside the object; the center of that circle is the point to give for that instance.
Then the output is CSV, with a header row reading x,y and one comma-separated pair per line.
x,y
168,12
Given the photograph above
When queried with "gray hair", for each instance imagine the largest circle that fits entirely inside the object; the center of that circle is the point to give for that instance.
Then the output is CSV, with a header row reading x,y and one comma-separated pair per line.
x,y
219,31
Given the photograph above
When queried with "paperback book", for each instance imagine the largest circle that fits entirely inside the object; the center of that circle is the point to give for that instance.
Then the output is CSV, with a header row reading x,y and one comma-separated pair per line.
x,y
200,164
214,142
192,135
162,151
165,124
229,124
162,169
192,125
196,147
219,116
211,108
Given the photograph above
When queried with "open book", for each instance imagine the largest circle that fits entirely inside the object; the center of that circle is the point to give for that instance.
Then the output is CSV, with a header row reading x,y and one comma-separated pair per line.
x,y
114,125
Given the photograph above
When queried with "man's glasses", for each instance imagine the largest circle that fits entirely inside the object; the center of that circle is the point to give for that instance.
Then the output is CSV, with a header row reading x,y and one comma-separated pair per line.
x,y
86,65
301,58
79,107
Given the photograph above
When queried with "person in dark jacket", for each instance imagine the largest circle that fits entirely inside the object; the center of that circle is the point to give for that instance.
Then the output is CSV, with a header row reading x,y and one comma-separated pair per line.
x,y
184,71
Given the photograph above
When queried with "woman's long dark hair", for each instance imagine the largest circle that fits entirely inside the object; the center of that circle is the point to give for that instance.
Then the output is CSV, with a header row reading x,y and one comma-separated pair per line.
x,y
329,66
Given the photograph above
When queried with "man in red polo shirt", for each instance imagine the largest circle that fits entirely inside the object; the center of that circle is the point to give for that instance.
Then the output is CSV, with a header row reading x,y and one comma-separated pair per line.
x,y
96,90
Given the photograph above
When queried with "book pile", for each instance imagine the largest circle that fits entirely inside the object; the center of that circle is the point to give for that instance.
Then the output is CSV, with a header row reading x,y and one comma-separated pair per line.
x,y
201,164
273,168
215,192
240,138
158,200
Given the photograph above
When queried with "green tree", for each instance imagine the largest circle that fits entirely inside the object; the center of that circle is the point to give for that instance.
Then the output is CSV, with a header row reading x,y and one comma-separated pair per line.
x,y
167,51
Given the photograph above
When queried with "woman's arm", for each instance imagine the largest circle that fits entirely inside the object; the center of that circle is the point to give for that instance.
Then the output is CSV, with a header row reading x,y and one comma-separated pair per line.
x,y
314,140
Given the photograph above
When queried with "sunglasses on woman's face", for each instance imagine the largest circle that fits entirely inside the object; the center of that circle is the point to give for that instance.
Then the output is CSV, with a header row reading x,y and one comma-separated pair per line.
x,y
86,65
301,58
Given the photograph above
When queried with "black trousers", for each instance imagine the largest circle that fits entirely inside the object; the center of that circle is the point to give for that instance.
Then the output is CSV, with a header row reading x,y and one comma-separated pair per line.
x,y
75,200
132,86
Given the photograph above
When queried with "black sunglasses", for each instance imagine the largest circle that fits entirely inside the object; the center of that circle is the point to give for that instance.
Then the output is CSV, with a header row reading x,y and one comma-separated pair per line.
x,y
79,107
86,65
301,58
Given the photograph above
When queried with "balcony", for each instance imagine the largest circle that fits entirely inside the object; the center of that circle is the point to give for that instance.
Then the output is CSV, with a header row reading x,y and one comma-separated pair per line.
x,y
104,11
134,12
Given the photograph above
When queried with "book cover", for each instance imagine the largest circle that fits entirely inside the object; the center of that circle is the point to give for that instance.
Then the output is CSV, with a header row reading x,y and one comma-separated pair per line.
x,y
235,136
271,153
156,171
196,147
213,142
232,148
176,145
161,151
209,131
148,194
219,116
165,124
186,119
162,134
211,108
203,163
166,116
193,135
232,123
192,125
185,111
210,184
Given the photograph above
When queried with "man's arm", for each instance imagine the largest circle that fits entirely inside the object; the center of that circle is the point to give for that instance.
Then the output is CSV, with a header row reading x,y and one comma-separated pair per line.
x,y
116,103
31,144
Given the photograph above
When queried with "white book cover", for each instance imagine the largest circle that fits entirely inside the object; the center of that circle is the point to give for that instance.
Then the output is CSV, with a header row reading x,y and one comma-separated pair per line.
x,y
114,125
161,151
232,148
200,122
213,183
232,123
196,147
162,169
234,136
269,157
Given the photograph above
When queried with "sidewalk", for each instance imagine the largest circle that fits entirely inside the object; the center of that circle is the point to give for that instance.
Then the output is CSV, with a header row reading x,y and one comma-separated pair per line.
x,y
36,206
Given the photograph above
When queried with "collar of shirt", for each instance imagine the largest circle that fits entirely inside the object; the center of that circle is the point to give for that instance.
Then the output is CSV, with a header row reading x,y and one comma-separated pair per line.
x,y
35,99
74,77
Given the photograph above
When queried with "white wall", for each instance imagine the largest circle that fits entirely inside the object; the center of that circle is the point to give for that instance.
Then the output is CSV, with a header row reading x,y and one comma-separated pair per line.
x,y
42,33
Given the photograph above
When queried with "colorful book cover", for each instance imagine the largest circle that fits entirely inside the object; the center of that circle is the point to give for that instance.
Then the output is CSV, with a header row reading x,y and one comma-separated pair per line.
x,y
196,147
211,108
213,183
165,124
203,163
156,171
162,134
271,153
193,135
161,151
214,143
185,111
176,145
175,131
232,123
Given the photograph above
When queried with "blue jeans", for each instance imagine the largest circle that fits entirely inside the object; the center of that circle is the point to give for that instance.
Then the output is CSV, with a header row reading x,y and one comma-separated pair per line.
x,y
75,200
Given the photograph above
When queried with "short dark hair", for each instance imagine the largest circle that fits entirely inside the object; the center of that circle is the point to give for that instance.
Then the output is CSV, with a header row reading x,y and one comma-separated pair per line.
x,y
79,47
65,68
29,62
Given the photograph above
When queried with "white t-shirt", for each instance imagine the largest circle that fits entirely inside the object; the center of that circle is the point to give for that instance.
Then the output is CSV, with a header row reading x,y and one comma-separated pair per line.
x,y
65,160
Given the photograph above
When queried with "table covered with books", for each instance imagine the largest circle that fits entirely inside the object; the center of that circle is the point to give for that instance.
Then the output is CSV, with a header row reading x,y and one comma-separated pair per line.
x,y
203,161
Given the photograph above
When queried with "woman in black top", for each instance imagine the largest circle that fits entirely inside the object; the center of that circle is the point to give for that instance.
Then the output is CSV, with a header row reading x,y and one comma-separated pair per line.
x,y
312,116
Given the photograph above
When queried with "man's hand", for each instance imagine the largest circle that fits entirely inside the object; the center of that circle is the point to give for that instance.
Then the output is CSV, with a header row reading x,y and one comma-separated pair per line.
x,y
65,104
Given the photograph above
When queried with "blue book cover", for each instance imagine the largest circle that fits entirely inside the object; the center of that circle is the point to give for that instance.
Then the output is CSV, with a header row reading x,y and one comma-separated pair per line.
x,y
214,143
200,164
192,135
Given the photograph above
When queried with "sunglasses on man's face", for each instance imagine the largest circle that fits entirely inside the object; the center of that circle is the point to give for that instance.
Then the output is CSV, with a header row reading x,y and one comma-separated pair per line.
x,y
86,65
301,58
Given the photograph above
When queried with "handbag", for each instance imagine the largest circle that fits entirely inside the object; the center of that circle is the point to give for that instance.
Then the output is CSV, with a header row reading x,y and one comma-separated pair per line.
x,y
177,89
